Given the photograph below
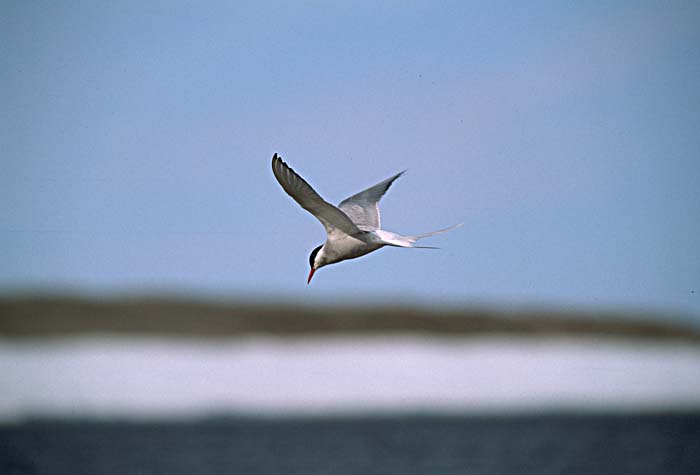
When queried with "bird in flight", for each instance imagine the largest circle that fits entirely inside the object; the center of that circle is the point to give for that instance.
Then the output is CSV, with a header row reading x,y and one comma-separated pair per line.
x,y
353,227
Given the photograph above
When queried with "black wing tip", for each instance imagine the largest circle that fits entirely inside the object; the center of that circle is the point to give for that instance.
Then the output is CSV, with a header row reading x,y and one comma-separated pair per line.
x,y
281,165
281,169
394,178
278,163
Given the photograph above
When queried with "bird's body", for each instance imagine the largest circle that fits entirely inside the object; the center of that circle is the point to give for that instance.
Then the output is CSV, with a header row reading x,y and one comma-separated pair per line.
x,y
353,227
349,247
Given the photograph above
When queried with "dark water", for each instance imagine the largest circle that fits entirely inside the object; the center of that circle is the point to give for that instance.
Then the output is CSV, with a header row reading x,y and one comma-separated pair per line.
x,y
561,444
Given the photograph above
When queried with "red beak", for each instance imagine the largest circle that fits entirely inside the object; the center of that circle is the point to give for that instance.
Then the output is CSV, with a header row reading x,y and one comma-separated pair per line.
x,y
311,274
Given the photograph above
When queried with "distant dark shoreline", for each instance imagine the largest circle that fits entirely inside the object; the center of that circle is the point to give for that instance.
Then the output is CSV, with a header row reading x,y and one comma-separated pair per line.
x,y
29,316
529,444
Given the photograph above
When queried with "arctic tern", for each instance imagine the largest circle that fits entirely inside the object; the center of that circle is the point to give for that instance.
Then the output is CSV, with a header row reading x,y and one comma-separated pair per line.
x,y
353,227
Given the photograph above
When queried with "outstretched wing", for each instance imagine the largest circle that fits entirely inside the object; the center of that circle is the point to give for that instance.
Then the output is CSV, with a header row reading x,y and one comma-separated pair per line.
x,y
332,218
363,207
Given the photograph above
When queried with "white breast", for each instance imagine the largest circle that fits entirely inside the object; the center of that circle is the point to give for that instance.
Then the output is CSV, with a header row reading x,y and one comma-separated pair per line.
x,y
349,247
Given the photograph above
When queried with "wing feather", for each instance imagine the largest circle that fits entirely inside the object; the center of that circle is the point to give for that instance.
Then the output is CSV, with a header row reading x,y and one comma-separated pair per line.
x,y
332,218
363,207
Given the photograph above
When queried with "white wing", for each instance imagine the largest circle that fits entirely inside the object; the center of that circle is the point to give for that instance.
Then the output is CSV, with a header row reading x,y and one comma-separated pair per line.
x,y
363,207
332,218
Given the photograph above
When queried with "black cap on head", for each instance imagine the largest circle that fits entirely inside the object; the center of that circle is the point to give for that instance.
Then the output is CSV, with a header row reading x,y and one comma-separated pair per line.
x,y
313,255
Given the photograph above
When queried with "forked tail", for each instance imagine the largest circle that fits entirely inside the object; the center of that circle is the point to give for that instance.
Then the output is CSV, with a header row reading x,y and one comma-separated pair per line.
x,y
393,239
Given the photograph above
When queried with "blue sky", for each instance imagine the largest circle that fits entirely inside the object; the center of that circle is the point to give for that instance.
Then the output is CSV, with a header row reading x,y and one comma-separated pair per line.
x,y
137,141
